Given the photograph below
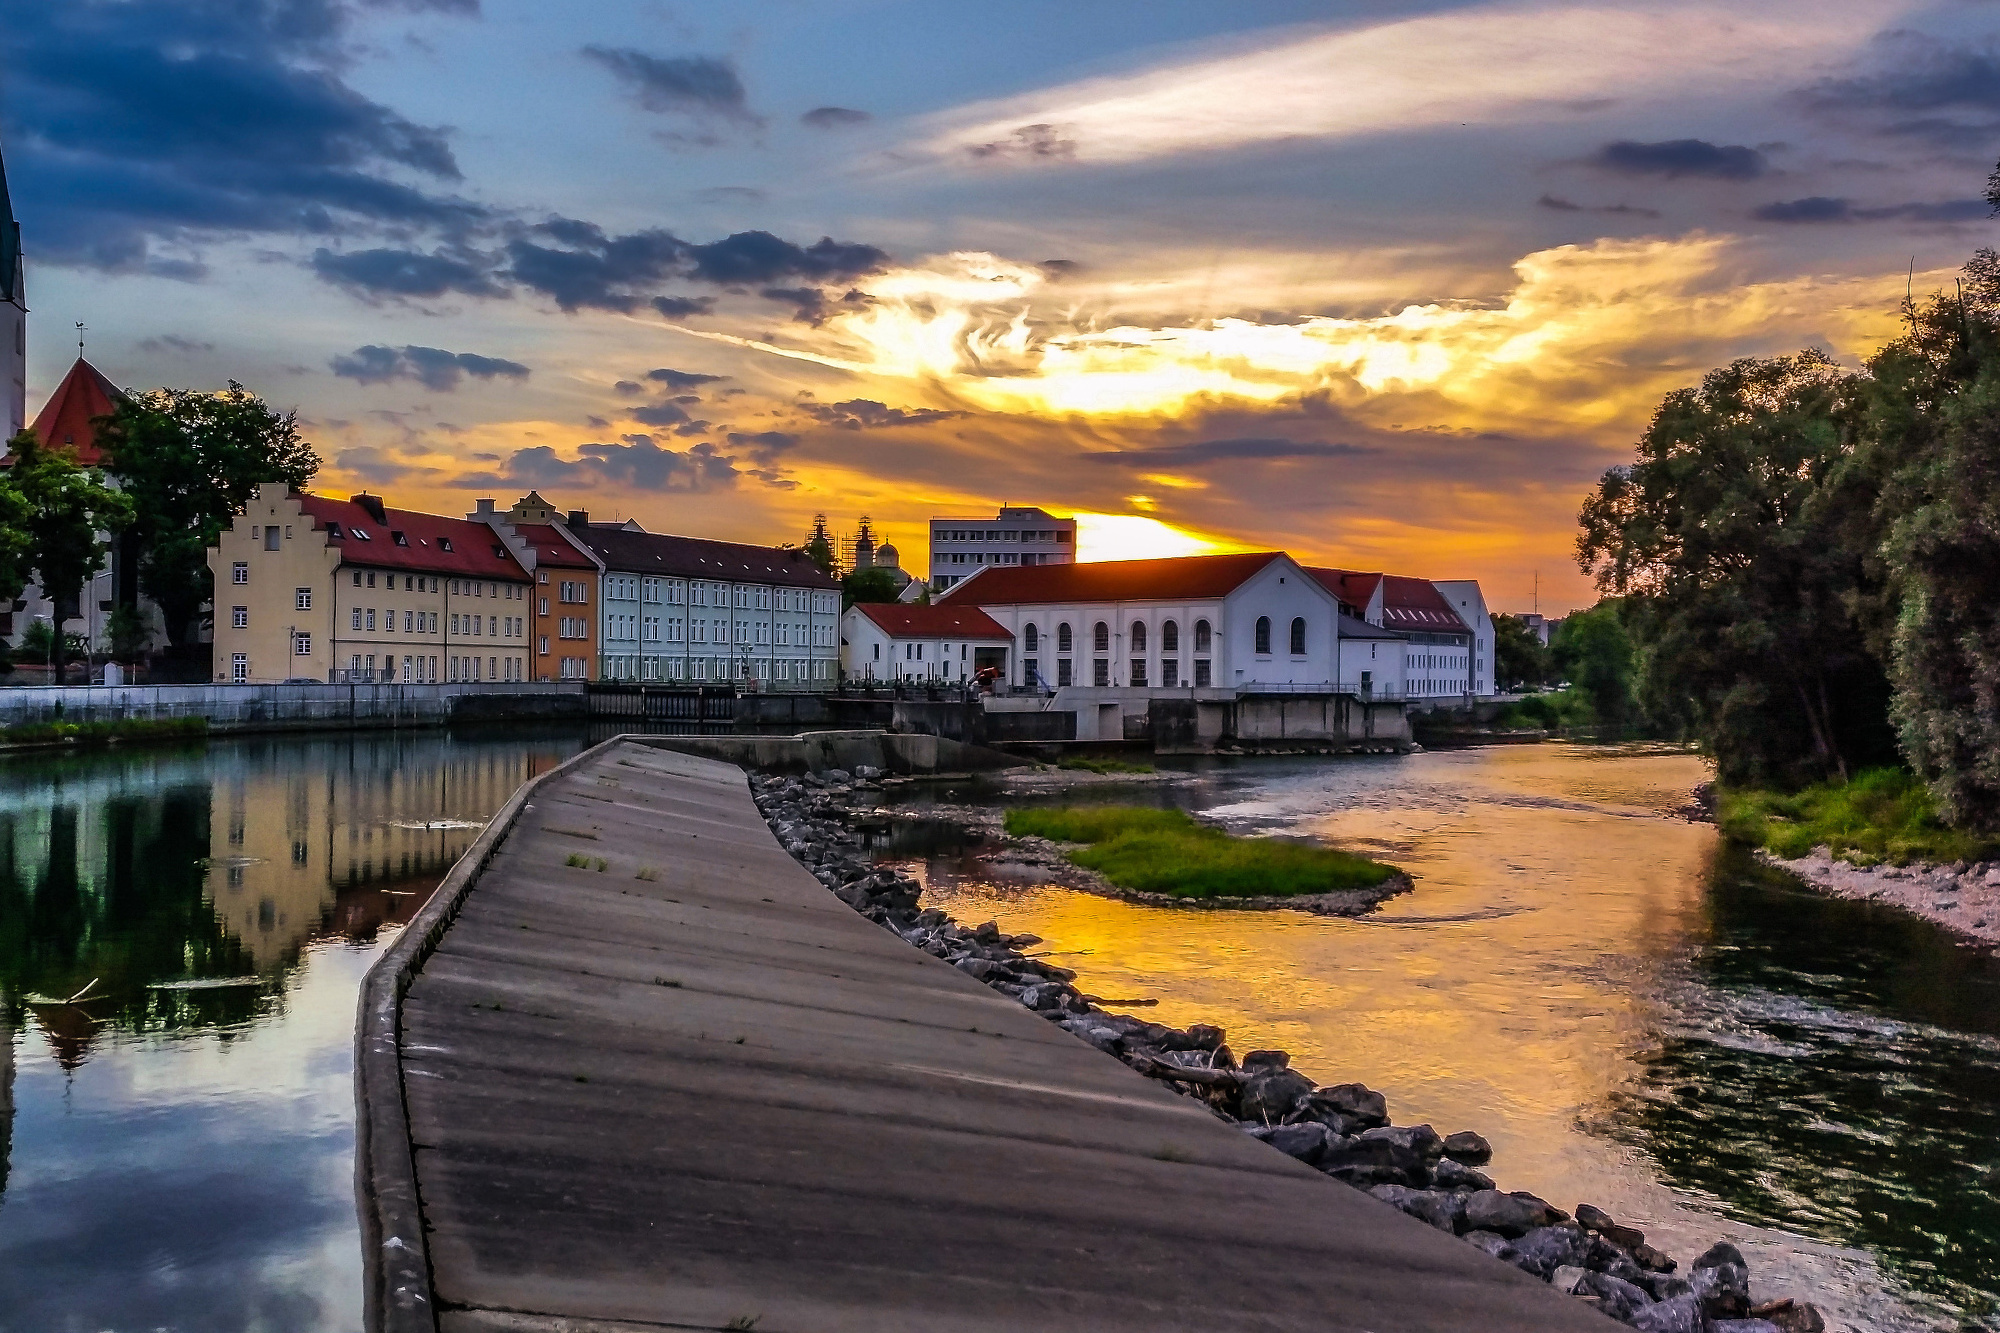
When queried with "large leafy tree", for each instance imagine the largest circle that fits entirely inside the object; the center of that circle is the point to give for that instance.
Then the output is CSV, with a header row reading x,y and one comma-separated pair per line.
x,y
1595,653
67,517
1520,659
191,462
1740,577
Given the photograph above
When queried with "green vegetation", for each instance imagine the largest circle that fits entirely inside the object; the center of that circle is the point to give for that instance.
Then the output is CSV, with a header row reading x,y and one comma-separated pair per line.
x,y
1554,711
1104,765
1883,814
105,733
1520,660
875,584
1166,851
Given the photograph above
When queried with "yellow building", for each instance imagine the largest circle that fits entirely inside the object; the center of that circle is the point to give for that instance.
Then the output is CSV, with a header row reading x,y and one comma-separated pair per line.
x,y
308,587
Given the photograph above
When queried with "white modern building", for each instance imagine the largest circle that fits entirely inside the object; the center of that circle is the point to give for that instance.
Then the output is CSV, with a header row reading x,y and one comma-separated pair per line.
x,y
1443,651
1017,537
895,641
692,610
1470,604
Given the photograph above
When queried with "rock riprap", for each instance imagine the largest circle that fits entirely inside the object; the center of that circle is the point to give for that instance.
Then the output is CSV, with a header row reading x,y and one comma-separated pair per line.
x,y
1342,1129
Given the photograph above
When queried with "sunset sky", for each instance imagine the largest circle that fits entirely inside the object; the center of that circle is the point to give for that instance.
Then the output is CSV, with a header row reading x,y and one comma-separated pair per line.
x,y
1385,285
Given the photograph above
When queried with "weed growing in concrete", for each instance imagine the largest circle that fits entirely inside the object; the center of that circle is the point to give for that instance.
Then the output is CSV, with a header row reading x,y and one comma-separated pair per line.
x,y
576,860
647,873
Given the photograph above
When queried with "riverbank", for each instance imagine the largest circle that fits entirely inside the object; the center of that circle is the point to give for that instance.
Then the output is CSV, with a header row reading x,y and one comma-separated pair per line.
x,y
1343,1130
1964,898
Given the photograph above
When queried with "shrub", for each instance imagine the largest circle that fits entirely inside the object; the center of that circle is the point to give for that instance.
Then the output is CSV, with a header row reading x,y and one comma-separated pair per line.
x,y
1166,851
1882,814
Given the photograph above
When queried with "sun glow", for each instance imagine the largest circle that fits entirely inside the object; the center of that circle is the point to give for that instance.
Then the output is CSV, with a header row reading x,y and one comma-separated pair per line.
x,y
1135,537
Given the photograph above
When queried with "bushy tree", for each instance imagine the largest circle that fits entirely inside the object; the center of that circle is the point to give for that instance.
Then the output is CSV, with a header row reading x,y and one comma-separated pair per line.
x,y
191,462
1520,658
875,584
1594,653
1739,573
67,516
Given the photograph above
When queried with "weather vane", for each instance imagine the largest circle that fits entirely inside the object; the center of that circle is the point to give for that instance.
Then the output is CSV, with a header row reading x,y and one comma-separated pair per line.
x,y
79,339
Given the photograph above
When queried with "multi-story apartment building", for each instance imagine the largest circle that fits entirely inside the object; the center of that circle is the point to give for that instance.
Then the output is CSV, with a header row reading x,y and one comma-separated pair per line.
x,y
961,547
310,587
688,609
567,578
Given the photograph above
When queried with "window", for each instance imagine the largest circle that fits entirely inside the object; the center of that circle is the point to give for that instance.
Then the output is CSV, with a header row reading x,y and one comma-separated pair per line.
x,y
409,620
1298,636
302,644
371,617
1064,674
1138,671
302,599
1100,671
1139,636
239,572
239,617
1100,638
542,646
1031,639
1170,637
371,578
444,544
1063,637
1201,636
1264,634
1201,673
1170,673
271,535
356,613
239,667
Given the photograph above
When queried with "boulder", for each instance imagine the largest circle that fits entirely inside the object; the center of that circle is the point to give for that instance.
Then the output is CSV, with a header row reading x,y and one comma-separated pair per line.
x,y
1360,1103
1204,1036
1564,1279
1621,1300
1718,1254
1492,1242
1509,1214
1270,1094
1663,1287
1743,1326
1543,1250
1372,1162
1723,1289
1681,1314
1308,1143
1437,1207
1447,1174
1419,1139
1258,1061
1792,1316
1626,1238
1652,1260
1468,1147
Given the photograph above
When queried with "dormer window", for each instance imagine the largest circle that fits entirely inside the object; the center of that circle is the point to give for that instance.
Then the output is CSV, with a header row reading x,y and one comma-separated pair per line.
x,y
499,553
362,533
333,531
444,543
399,539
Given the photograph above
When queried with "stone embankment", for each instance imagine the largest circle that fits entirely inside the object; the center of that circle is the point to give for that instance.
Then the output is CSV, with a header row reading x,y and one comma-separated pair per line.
x,y
1343,1130
1963,897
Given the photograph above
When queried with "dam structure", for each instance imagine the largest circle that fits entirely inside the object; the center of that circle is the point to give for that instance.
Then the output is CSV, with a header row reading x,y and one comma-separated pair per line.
x,y
634,1068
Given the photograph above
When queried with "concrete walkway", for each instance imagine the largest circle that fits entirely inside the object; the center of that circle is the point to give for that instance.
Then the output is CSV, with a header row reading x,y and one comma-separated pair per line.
x,y
694,1090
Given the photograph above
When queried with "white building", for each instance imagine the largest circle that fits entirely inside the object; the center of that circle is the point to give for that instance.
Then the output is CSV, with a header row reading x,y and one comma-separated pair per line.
x,y
961,547
1448,653
1470,603
892,641
689,609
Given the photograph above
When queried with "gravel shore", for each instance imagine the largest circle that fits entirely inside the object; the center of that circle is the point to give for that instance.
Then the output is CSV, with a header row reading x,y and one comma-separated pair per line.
x,y
1963,898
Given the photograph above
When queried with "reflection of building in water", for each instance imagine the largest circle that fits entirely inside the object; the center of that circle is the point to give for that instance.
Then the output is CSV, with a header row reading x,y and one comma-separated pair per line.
x,y
342,841
6,1088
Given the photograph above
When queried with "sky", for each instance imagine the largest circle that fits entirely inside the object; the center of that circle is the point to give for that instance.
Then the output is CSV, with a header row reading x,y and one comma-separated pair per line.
x,y
1387,285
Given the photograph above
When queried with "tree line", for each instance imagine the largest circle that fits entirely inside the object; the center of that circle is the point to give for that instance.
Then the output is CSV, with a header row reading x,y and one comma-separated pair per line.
x,y
1804,560
179,466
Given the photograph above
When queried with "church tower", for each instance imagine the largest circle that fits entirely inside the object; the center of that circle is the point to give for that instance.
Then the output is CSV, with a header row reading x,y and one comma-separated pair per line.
x,y
13,317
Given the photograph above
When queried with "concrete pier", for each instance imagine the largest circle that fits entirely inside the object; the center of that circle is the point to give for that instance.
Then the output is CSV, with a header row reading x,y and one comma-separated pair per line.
x,y
633,1068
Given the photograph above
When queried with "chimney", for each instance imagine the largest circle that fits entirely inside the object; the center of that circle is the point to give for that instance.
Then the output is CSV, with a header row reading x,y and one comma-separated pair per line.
x,y
483,509
579,518
373,504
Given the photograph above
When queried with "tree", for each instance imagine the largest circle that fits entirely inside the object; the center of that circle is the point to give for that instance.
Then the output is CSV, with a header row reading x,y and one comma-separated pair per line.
x,y
1594,653
125,634
1520,658
1739,571
191,462
874,584
67,516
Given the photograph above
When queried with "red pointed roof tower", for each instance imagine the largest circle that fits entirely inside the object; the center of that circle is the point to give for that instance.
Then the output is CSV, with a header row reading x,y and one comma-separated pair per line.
x,y
65,420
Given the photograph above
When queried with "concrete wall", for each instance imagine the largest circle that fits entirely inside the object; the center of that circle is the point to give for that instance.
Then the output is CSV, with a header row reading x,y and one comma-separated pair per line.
x,y
293,707
1193,726
817,751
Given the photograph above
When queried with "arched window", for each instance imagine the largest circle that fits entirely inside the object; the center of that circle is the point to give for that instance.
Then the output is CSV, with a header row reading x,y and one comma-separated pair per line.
x,y
1031,641
1101,637
1139,636
1263,634
1170,637
1062,637
1298,636
1201,636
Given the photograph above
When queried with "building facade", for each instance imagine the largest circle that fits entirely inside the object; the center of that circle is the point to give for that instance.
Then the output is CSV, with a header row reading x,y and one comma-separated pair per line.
x,y
693,610
568,586
13,318
897,641
1470,604
961,547
309,587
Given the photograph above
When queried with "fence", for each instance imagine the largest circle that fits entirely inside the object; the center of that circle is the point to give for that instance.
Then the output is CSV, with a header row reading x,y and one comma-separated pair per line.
x,y
287,707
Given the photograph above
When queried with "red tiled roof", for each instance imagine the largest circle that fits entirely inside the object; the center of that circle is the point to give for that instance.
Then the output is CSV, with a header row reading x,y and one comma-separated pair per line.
x,y
552,548
64,421
1350,586
1414,604
1175,578
699,558
907,620
409,540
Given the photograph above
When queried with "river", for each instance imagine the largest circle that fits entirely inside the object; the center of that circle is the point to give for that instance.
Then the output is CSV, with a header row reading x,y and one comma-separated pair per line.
x,y
1634,1017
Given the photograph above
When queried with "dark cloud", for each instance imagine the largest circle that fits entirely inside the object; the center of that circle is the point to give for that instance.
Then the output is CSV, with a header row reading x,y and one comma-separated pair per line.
x,y
1055,270
750,258
834,117
405,273
1918,87
660,414
867,414
765,445
137,124
628,389
681,379
432,367
683,307
1560,205
1043,141
1819,208
594,269
742,194
638,461
698,86
1674,158
173,342
1240,449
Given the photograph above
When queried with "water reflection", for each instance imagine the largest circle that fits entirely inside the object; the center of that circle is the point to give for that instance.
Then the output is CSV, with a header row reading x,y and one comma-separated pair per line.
x,y
1636,1018
181,937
